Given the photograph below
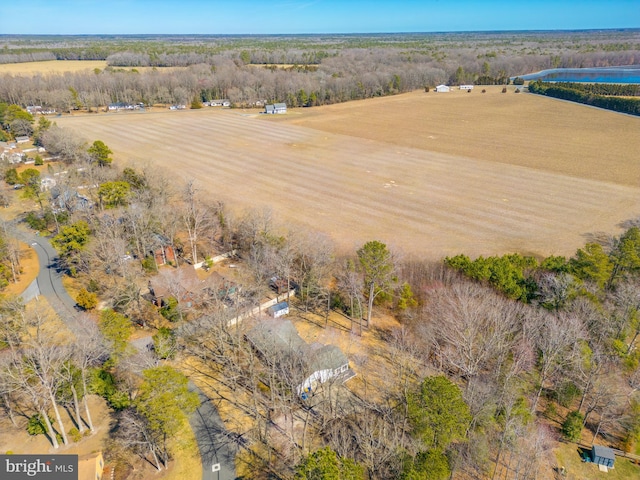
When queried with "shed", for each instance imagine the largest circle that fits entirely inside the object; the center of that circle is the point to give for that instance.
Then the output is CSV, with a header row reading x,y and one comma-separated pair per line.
x,y
603,456
442,88
279,309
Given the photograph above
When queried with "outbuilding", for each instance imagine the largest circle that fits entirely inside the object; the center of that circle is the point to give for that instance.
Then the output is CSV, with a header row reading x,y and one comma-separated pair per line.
x,y
279,309
603,456
276,108
442,88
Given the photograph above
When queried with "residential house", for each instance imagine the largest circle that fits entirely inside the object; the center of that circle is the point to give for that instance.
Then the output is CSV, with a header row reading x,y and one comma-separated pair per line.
x,y
442,88
278,341
68,199
220,103
91,466
219,287
33,109
278,285
162,250
183,284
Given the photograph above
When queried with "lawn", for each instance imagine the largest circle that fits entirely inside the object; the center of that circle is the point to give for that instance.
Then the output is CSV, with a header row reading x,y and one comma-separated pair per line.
x,y
568,457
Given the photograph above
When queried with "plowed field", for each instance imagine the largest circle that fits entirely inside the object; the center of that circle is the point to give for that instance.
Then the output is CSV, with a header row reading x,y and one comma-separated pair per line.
x,y
430,174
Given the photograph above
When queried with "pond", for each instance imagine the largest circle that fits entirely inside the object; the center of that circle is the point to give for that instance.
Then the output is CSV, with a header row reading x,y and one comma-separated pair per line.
x,y
624,74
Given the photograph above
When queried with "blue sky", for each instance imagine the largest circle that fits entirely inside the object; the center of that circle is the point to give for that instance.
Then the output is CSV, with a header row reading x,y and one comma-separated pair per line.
x,y
309,16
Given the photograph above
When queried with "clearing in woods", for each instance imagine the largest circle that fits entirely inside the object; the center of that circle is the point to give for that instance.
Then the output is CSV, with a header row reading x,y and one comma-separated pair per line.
x,y
431,174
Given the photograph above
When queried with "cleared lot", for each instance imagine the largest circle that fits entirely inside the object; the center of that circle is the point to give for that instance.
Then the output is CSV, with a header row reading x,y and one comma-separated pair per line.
x,y
517,175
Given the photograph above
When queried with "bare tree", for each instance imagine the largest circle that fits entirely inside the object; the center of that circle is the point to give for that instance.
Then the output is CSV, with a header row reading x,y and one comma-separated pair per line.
x,y
557,340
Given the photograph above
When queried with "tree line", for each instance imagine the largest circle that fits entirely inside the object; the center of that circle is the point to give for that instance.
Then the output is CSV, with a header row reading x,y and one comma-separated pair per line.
x,y
576,93
325,69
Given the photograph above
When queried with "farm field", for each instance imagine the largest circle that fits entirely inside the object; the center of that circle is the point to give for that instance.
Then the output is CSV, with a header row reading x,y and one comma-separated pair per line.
x,y
429,174
51,67
63,66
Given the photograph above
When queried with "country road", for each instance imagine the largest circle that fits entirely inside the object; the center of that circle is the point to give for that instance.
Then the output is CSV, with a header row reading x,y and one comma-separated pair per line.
x,y
216,445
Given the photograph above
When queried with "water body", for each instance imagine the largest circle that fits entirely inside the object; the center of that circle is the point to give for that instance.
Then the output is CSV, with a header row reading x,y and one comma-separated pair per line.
x,y
627,74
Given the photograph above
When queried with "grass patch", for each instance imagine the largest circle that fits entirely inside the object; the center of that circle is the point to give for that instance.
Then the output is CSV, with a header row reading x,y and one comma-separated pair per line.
x,y
185,464
568,457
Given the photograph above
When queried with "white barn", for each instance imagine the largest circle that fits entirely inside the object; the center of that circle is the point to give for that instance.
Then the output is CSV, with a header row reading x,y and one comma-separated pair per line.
x,y
442,88
276,108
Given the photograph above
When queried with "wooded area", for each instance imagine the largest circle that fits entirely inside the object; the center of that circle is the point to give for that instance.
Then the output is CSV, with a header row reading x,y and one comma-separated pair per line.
x,y
300,71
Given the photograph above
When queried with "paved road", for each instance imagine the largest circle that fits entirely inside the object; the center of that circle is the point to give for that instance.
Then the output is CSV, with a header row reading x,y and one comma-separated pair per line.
x,y
49,280
216,445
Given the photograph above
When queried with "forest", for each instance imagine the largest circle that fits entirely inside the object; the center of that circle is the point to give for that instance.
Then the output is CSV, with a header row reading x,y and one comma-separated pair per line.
x,y
301,71
491,361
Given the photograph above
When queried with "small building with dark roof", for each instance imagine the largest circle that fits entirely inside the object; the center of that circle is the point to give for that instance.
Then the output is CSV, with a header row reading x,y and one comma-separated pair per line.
x,y
279,309
603,456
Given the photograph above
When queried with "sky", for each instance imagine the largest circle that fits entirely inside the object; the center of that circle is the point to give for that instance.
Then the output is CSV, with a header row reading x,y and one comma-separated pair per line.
x,y
217,17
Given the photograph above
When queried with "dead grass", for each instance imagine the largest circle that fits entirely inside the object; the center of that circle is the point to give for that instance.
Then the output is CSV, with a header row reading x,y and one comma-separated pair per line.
x,y
56,67
30,268
52,67
430,174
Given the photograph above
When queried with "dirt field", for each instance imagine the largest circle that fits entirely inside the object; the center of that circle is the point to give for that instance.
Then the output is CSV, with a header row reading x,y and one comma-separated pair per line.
x,y
430,174
53,66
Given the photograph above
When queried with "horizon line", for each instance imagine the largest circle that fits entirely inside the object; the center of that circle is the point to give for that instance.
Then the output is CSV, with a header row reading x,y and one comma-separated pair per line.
x,y
323,33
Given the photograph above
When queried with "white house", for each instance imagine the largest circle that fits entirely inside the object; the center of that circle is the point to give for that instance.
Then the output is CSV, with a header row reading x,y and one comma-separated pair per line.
x,y
324,362
442,88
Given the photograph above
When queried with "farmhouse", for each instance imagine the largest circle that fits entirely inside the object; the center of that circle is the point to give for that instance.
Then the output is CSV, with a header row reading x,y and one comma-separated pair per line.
x,y
442,88
275,108
603,456
278,340
279,310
